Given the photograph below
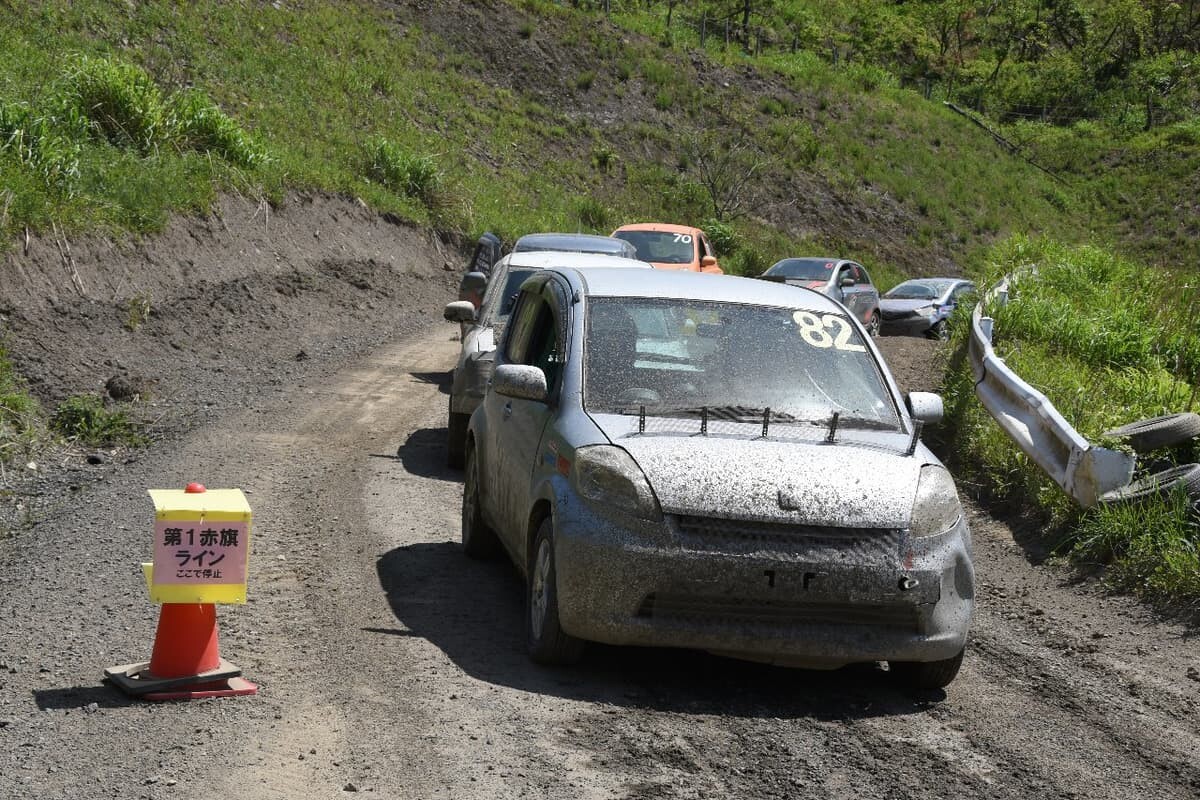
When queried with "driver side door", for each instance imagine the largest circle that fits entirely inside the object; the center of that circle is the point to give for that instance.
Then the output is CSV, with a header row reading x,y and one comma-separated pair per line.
x,y
536,340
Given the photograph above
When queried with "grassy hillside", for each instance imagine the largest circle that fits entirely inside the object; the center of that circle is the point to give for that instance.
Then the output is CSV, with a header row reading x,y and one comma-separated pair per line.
x,y
520,118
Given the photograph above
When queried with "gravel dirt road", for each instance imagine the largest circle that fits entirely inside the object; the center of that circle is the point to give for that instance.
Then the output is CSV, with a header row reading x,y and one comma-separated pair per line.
x,y
389,663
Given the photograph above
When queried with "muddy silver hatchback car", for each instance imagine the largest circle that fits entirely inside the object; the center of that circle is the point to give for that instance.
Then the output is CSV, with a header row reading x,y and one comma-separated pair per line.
x,y
690,460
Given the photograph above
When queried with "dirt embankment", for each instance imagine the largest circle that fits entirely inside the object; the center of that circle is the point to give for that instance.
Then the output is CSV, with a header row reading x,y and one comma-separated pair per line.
x,y
250,301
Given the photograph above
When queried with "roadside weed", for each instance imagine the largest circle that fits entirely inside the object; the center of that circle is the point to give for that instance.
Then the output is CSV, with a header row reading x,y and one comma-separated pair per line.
x,y
411,174
137,311
85,419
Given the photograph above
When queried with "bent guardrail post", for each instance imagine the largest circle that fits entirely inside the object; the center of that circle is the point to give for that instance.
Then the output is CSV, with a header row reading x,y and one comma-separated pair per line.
x,y
1084,471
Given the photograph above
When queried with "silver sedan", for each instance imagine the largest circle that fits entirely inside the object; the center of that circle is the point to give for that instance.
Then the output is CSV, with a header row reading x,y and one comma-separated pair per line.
x,y
481,329
701,461
843,280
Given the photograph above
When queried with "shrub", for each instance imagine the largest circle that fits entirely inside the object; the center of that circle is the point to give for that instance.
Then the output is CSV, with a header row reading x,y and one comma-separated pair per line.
x,y
46,143
604,157
411,174
121,102
584,80
84,417
722,236
200,125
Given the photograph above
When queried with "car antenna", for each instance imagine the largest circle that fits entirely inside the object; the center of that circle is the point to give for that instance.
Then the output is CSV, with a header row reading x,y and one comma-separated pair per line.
x,y
912,443
766,421
704,420
641,419
830,437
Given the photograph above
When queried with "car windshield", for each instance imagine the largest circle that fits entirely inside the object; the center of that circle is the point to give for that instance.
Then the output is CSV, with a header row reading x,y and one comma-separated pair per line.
x,y
661,246
501,295
676,357
565,243
809,269
918,290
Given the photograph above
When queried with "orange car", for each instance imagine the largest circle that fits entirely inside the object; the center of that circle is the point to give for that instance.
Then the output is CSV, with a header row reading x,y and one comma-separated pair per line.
x,y
670,246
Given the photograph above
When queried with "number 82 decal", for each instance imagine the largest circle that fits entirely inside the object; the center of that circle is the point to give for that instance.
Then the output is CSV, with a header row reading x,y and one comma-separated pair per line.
x,y
827,330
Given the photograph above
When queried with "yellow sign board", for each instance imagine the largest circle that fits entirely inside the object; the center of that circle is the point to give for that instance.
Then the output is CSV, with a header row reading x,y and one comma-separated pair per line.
x,y
201,546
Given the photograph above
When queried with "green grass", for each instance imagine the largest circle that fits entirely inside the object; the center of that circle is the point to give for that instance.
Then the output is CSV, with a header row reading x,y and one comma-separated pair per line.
x,y
1108,341
86,419
20,423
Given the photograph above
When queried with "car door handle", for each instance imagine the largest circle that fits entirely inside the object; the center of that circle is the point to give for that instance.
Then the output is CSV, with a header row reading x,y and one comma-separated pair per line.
x,y
507,410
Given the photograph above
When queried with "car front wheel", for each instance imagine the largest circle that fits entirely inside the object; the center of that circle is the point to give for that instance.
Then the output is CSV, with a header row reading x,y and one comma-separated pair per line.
x,y
547,642
873,324
456,440
927,674
478,540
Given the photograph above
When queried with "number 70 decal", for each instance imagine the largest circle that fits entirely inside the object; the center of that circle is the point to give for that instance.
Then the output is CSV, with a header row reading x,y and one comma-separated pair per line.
x,y
816,330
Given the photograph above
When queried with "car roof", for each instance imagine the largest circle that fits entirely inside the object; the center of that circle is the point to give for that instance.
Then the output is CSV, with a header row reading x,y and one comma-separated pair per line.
x,y
813,259
684,285
547,259
664,227
568,242
939,279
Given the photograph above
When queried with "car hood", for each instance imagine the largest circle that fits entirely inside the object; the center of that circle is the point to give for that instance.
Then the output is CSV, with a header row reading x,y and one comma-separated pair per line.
x,y
794,480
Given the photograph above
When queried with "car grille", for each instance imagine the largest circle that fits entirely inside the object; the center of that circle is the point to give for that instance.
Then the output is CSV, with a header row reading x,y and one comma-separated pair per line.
x,y
728,611
802,542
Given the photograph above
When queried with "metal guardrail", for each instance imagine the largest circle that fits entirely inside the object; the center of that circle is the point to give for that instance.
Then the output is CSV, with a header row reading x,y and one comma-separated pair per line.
x,y
1084,471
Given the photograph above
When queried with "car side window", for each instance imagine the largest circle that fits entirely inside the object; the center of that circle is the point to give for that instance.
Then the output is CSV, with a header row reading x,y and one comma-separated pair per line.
x,y
706,248
545,348
862,276
535,339
521,328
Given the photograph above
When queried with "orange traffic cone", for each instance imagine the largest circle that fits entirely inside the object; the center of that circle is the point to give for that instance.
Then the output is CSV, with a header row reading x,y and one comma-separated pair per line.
x,y
186,662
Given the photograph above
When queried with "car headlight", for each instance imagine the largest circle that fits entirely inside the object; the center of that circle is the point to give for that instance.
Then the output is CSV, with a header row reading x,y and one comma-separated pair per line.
x,y
936,508
609,477
926,311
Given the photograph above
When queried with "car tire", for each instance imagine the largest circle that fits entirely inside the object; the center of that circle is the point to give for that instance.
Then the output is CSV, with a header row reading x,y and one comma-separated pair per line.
x,y
545,639
927,674
1166,431
939,331
456,439
1158,484
478,540
873,324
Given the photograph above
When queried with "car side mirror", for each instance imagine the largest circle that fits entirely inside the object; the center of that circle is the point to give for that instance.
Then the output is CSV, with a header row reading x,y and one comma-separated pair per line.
x,y
472,283
460,311
521,382
846,281
708,262
925,406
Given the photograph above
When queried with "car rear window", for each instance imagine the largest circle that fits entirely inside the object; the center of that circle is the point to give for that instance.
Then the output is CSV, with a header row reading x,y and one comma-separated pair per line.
x,y
660,246
808,269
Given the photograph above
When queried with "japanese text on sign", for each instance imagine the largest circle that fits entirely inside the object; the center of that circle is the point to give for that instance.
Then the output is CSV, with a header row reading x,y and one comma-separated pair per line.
x,y
200,552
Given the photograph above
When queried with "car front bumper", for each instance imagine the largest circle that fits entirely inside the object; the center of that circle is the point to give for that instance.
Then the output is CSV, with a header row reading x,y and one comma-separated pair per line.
x,y
818,598
907,326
